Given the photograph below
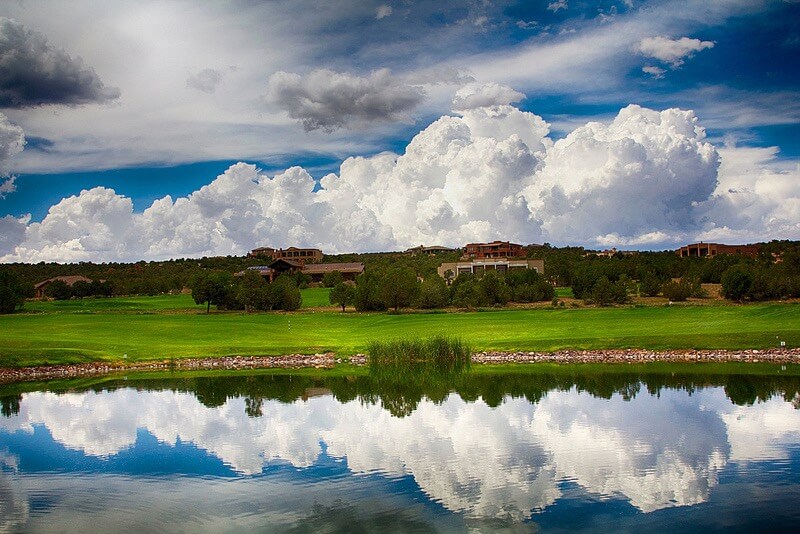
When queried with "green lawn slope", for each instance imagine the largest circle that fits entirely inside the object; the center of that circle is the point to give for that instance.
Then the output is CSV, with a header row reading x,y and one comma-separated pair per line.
x,y
138,329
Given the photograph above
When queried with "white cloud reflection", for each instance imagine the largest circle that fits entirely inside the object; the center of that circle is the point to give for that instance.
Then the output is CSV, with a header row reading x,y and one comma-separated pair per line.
x,y
485,462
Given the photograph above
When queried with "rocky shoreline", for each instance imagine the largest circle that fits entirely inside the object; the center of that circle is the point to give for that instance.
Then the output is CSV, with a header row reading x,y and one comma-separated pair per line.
x,y
329,360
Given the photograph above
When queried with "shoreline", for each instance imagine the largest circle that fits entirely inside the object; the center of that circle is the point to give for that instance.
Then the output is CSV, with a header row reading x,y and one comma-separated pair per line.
x,y
329,360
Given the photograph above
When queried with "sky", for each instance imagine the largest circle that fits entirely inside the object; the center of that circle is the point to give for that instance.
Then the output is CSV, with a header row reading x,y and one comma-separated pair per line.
x,y
166,129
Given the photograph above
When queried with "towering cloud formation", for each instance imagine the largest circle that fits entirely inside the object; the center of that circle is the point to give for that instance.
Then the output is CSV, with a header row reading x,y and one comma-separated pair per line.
x,y
647,178
34,72
634,180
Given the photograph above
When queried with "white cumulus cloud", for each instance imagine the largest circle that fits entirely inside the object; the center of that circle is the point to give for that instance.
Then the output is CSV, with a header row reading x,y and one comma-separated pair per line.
x,y
647,178
476,95
12,141
655,72
557,5
672,51
383,11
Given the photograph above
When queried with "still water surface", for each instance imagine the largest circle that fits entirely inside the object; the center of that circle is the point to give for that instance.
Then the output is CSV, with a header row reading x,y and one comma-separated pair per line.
x,y
483,453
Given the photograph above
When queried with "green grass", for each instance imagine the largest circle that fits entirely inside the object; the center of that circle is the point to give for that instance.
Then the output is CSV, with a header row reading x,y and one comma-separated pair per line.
x,y
316,297
64,335
160,303
564,292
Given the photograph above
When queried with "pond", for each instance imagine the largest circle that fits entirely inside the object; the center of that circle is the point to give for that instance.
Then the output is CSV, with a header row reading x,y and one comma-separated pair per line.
x,y
659,448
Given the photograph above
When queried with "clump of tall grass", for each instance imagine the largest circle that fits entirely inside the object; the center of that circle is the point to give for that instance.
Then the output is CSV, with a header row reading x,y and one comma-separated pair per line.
x,y
438,351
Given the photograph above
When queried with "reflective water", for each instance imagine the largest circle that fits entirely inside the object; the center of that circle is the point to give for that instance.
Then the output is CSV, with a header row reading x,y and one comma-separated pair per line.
x,y
564,450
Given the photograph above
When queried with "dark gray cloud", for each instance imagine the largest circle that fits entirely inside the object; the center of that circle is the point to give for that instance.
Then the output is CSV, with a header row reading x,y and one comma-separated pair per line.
x,y
206,80
328,100
34,72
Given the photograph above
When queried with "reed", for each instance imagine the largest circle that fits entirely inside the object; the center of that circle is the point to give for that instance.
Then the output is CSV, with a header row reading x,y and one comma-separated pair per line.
x,y
437,350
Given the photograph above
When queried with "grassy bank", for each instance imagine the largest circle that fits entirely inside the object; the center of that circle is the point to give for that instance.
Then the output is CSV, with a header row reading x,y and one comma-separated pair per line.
x,y
114,331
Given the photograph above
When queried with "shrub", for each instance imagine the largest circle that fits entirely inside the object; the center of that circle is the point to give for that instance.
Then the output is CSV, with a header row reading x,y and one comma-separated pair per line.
x,y
677,291
12,292
736,282
433,293
332,279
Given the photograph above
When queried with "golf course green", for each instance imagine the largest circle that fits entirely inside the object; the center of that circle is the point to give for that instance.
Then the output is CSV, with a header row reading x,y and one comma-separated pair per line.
x,y
166,327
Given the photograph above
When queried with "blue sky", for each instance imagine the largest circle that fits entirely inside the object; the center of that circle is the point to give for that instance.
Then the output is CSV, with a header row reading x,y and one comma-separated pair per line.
x,y
160,98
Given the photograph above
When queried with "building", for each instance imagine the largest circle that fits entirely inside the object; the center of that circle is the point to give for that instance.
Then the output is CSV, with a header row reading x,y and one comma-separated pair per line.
x,y
709,250
283,265
610,253
315,270
303,255
450,270
435,249
41,287
318,270
495,249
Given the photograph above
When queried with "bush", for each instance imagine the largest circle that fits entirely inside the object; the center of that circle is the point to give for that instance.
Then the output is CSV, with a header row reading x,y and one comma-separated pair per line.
x,y
12,292
650,285
58,290
399,287
438,350
677,291
736,282
604,292
332,279
433,293
368,297
285,294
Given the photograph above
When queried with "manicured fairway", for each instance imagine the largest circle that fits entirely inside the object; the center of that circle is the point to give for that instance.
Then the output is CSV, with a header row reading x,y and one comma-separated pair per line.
x,y
316,297
40,338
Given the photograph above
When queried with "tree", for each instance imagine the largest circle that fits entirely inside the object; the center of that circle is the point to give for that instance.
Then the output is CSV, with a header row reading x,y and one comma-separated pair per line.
x,y
12,292
604,292
332,279
343,294
285,294
433,293
494,288
736,282
677,291
215,288
650,285
368,289
58,290
252,292
399,288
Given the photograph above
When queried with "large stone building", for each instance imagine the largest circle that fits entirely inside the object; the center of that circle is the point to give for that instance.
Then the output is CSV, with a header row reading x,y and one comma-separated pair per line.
x,y
41,287
315,270
303,255
450,270
709,250
495,249
434,249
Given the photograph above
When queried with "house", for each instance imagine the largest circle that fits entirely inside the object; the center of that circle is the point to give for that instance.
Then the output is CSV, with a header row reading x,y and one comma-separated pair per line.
x,y
41,287
283,265
318,270
315,270
303,255
450,270
709,250
435,249
495,249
